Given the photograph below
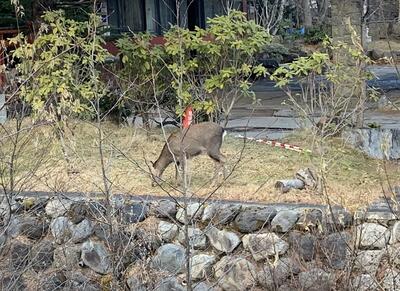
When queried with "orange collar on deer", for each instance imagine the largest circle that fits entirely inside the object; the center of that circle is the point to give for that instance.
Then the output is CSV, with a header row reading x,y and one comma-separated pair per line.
x,y
187,117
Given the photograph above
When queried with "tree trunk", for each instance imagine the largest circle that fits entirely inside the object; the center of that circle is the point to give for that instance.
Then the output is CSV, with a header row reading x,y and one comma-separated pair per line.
x,y
307,17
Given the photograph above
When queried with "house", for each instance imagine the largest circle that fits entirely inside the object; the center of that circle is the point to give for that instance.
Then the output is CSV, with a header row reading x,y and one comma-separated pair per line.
x,y
156,16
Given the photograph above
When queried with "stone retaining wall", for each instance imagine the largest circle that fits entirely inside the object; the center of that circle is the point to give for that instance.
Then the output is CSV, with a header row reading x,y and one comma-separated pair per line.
x,y
61,244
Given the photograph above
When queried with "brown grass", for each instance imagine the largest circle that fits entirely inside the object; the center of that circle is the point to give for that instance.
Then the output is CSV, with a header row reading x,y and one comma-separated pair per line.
x,y
353,179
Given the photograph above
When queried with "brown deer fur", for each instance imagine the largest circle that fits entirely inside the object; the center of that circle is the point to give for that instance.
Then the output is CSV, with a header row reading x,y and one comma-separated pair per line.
x,y
201,138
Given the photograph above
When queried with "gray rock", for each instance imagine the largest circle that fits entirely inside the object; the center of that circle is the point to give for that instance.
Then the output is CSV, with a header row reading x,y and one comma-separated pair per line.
x,y
304,245
309,220
376,54
81,231
135,284
167,231
372,236
61,229
275,274
53,281
31,227
78,212
164,209
391,281
171,258
264,245
222,240
380,217
41,256
170,284
19,254
76,281
316,279
197,239
253,218
284,221
201,266
364,282
194,212
368,261
235,273
395,235
3,241
58,207
336,248
12,282
96,257
133,213
202,286
393,253
67,257
220,214
337,218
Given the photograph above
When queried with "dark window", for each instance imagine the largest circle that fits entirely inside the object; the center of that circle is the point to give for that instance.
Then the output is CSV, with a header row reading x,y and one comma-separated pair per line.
x,y
127,15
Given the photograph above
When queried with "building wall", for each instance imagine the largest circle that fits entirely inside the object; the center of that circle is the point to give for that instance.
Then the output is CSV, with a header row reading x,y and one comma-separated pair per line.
x,y
383,19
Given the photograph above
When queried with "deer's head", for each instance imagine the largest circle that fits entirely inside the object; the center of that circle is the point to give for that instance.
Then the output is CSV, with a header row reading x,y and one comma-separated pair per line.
x,y
155,175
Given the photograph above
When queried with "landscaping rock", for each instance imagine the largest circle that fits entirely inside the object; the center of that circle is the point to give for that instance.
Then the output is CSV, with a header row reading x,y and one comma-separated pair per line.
x,y
81,231
364,282
337,218
220,214
395,235
171,258
202,286
235,273
170,284
167,231
253,218
52,281
19,254
275,274
164,209
197,238
61,229
372,236
76,281
29,226
380,217
78,212
391,281
309,220
316,279
264,245
336,248
202,266
194,212
67,257
284,221
3,241
393,253
133,213
368,261
58,207
135,284
96,257
222,240
41,256
12,282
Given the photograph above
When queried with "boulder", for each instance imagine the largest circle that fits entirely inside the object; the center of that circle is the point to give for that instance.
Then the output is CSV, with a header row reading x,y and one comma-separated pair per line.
x,y
19,254
194,212
284,221
135,284
264,245
133,213
364,282
67,257
372,236
41,256
58,207
316,279
171,258
78,282
303,244
170,284
81,231
61,229
220,214
253,218
96,257
201,265
78,212
197,238
368,261
167,231
275,274
222,240
202,286
391,281
12,282
337,249
395,235
235,273
163,209
29,226
309,220
52,281
337,218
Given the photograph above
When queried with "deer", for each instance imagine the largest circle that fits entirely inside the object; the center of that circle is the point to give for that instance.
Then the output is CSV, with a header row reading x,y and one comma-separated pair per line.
x,y
181,146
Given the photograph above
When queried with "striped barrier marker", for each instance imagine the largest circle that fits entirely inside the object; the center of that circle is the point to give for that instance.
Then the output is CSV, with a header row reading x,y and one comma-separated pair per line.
x,y
275,144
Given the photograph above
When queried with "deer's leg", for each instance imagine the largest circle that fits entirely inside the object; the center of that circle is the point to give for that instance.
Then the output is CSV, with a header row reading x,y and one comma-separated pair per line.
x,y
219,161
178,171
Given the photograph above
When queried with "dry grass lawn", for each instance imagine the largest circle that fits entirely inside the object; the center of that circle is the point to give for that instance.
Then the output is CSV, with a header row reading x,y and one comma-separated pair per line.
x,y
353,179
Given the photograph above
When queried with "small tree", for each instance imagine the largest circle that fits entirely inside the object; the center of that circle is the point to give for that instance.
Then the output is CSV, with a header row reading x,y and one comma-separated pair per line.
x,y
58,82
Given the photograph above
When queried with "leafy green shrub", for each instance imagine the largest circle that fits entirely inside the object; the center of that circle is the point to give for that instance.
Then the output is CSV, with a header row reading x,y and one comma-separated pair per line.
x,y
275,51
315,35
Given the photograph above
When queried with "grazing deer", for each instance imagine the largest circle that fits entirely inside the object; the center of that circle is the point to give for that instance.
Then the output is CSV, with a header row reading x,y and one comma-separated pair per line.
x,y
201,138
